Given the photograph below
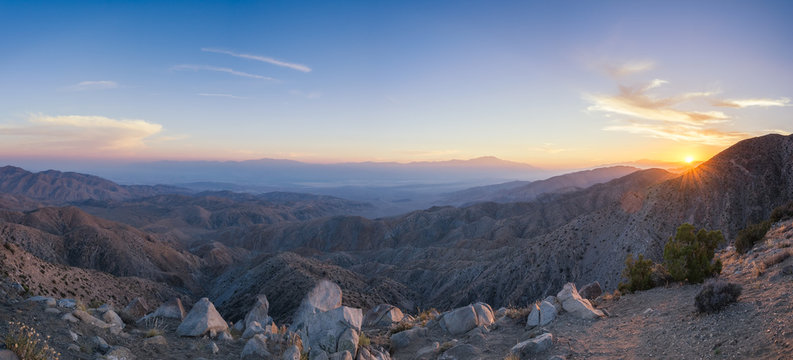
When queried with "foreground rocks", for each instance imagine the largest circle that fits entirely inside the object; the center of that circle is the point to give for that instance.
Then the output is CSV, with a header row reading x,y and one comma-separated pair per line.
x,y
577,306
203,318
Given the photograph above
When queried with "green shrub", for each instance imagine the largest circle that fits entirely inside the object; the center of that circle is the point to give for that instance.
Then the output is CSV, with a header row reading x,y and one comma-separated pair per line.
x,y
750,235
688,256
783,212
27,344
638,274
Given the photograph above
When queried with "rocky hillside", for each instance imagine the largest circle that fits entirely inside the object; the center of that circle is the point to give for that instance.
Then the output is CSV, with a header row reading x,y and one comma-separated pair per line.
x,y
69,236
55,187
523,191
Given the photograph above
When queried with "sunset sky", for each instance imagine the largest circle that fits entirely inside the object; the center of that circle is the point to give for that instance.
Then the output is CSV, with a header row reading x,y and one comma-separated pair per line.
x,y
550,83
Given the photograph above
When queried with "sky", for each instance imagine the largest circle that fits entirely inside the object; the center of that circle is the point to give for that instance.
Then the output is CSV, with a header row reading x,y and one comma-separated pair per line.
x,y
549,83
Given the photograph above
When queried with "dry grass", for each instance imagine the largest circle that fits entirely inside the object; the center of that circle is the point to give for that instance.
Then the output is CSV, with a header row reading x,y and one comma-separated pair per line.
x,y
27,344
401,326
154,327
511,357
446,346
364,340
518,313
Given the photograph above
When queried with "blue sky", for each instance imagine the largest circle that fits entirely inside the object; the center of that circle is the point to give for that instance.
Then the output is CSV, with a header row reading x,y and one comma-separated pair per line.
x,y
549,83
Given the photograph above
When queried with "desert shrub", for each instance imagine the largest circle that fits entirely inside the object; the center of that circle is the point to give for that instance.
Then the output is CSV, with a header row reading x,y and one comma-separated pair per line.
x,y
27,344
660,276
154,327
638,274
688,256
716,294
750,235
783,212
364,340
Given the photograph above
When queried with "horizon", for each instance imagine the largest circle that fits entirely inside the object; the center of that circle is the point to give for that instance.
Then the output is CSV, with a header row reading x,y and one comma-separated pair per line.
x,y
346,83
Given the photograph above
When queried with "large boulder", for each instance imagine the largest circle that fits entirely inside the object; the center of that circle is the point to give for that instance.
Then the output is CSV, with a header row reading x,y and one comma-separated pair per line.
x,y
203,318
577,306
370,353
171,309
90,319
136,309
484,314
383,315
591,291
259,311
325,296
541,314
529,348
348,341
321,320
404,338
460,320
112,318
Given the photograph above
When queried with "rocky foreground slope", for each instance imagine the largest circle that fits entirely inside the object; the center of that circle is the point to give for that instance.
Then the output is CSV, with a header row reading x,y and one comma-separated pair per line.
x,y
658,323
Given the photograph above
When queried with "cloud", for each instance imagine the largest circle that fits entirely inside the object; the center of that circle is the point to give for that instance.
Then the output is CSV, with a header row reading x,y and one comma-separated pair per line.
x,y
636,103
220,69
93,85
630,67
222,95
744,103
682,133
677,117
78,134
269,60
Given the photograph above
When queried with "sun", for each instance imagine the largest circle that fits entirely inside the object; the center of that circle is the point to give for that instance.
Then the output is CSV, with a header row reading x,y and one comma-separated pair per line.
x,y
689,159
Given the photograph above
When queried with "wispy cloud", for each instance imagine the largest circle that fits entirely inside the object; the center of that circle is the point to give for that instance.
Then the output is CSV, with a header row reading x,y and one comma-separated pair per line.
x,y
629,67
266,59
744,103
190,67
222,95
93,85
635,102
679,117
78,134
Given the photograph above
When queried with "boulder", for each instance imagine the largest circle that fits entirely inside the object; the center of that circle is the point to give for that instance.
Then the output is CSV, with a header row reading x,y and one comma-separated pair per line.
x,y
403,339
70,318
73,335
460,320
553,300
259,311
202,319
119,353
99,344
484,314
325,296
171,309
461,352
104,308
316,354
541,314
348,341
256,348
136,309
254,328
370,353
591,291
527,349
67,303
327,327
382,315
112,318
501,312
225,336
43,299
577,306
428,351
212,347
89,319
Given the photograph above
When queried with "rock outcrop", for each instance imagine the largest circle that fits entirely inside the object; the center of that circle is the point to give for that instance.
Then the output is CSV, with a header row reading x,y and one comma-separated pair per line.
x,y
324,325
541,314
382,315
202,319
577,306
